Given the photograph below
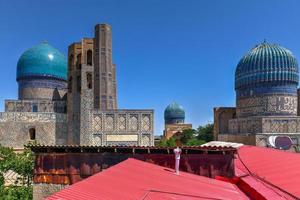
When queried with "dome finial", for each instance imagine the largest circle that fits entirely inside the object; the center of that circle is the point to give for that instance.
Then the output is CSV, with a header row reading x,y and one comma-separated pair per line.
x,y
265,41
44,42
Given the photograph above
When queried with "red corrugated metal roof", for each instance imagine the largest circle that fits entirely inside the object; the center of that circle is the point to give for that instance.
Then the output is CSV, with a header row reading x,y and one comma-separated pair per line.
x,y
133,179
274,174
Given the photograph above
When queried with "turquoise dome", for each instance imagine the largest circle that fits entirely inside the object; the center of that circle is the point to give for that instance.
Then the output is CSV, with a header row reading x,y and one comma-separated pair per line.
x,y
174,113
42,60
266,64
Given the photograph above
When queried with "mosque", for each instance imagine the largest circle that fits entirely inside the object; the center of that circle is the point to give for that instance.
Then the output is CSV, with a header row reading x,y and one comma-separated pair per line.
x,y
72,102
174,120
267,103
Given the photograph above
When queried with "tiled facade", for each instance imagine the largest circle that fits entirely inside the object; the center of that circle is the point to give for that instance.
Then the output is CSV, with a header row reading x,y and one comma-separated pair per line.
x,y
122,127
35,106
64,107
93,117
267,101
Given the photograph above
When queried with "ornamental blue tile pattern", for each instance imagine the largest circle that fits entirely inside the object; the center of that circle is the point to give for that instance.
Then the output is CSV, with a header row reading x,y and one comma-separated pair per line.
x,y
266,81
42,60
42,83
174,113
267,63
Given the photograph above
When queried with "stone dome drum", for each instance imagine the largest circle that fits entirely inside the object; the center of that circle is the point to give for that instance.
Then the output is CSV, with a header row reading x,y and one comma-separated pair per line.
x,y
42,73
174,113
42,60
266,81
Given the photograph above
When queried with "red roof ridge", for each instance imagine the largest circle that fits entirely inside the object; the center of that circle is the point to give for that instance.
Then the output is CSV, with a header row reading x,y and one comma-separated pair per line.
x,y
257,162
134,179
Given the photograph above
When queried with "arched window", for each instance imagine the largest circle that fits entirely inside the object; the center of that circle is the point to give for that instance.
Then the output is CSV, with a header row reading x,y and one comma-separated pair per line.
x,y
89,80
78,61
89,57
70,84
34,108
71,58
32,133
78,83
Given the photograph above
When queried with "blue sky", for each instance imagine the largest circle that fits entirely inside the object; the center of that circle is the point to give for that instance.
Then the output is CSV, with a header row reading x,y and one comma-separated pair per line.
x,y
171,50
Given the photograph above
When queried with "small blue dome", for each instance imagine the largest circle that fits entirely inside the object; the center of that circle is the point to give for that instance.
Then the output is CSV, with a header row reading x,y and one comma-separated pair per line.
x,y
266,64
174,113
42,60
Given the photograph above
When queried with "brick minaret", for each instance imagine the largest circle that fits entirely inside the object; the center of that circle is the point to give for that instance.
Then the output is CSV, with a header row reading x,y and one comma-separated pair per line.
x,y
105,97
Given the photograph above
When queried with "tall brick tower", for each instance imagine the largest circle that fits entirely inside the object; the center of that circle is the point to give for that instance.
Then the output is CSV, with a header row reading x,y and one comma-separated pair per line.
x,y
80,89
105,95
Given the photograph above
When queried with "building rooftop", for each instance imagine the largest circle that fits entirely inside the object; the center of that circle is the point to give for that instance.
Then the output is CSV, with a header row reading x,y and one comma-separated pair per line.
x,y
268,172
134,179
222,144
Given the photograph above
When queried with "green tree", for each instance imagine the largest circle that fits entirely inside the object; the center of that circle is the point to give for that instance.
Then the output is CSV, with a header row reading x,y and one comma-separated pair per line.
x,y
171,142
190,137
187,135
205,132
194,142
22,164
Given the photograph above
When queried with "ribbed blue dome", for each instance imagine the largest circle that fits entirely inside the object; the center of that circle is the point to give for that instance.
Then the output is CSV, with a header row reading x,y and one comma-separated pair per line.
x,y
174,113
266,64
42,60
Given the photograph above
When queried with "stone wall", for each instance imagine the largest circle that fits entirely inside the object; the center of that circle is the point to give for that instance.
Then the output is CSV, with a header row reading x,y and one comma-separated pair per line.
x,y
49,128
86,103
30,93
80,92
245,125
248,139
280,124
105,84
222,115
35,106
43,190
172,129
267,105
244,130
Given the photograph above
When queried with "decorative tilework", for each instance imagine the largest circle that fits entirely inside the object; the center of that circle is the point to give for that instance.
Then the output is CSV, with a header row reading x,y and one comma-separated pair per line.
x,y
97,123
133,122
42,59
122,122
267,105
123,126
97,140
146,123
109,123
266,63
